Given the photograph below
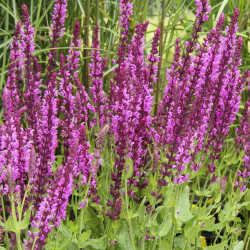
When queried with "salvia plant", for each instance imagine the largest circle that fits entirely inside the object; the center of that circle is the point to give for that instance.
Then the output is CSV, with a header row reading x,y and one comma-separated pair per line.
x,y
84,168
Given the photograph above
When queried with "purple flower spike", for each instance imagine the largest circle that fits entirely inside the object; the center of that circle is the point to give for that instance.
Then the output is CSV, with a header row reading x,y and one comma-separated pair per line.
x,y
32,69
97,67
73,56
243,141
47,138
153,58
67,106
126,10
57,30
15,71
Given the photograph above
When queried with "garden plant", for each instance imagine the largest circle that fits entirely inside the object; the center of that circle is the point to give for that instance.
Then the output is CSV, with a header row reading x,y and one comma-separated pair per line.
x,y
129,138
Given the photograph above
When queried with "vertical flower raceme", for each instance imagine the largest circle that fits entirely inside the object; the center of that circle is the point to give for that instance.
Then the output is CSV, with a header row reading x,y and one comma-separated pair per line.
x,y
66,72
97,67
179,94
73,57
131,117
31,77
52,209
15,143
142,134
201,16
198,101
67,105
126,10
47,138
15,149
15,70
153,58
57,30
85,161
122,128
243,141
84,158
227,90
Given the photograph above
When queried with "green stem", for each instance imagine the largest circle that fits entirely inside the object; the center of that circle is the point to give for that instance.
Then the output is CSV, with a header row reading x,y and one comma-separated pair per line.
x,y
13,211
97,12
172,237
129,221
6,236
144,16
82,210
160,54
174,226
246,238
22,205
86,44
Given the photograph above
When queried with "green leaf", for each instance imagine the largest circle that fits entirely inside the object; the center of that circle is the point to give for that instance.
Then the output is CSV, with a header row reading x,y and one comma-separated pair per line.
x,y
179,242
183,206
116,224
10,225
73,227
205,193
217,197
94,243
65,231
152,221
239,245
166,225
164,245
169,198
209,224
220,246
26,220
85,236
218,226
123,239
191,230
141,210
130,169
247,199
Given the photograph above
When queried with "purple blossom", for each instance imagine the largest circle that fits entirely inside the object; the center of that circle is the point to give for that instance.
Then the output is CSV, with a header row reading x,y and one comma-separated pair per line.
x,y
52,209
243,140
47,138
67,106
57,30
126,10
153,58
15,71
73,57
201,98
31,77
97,67
14,153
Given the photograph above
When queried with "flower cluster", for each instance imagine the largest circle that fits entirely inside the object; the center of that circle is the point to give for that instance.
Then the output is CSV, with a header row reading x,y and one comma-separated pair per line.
x,y
202,97
97,67
57,30
131,102
243,140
